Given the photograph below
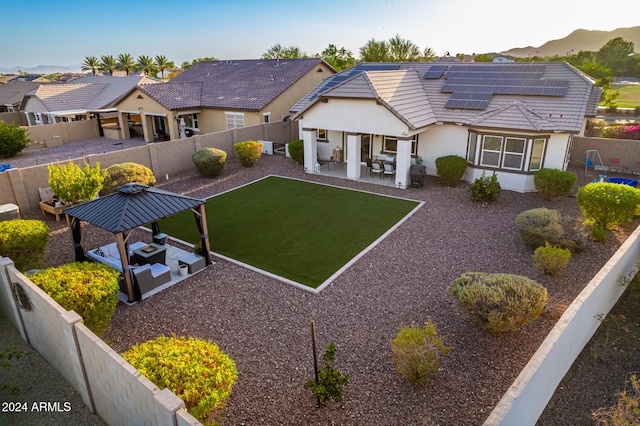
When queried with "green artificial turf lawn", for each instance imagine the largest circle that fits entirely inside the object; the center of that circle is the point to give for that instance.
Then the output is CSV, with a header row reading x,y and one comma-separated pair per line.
x,y
298,230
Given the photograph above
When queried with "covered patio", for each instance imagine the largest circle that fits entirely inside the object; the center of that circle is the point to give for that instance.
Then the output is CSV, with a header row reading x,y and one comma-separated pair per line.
x,y
131,206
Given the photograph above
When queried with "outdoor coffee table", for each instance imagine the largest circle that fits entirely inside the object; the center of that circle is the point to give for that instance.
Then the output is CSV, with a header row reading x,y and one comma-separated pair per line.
x,y
152,253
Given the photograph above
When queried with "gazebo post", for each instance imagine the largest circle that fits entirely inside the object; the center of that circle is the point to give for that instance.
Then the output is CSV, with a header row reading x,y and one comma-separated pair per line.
x,y
124,258
76,232
201,221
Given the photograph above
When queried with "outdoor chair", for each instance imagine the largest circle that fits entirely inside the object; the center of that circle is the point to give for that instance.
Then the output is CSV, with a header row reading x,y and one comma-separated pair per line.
x,y
389,170
369,165
324,161
377,169
151,276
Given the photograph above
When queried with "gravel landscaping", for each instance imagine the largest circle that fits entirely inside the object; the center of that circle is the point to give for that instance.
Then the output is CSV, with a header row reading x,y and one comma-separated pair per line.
x,y
264,325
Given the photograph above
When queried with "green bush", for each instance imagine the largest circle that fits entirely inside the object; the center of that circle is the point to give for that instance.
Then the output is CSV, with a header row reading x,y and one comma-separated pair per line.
x,y
13,139
248,152
90,289
450,169
73,185
537,226
296,151
209,161
330,381
499,302
417,352
553,184
551,259
575,236
124,173
608,204
485,189
196,370
24,241
599,233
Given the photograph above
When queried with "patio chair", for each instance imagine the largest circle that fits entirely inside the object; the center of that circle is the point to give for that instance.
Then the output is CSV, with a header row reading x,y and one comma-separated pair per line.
x,y
324,161
389,170
369,165
151,276
376,168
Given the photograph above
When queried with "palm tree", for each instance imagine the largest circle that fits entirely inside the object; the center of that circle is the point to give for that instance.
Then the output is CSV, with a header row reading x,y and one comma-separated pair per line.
x,y
91,63
108,64
126,63
162,63
429,55
146,64
402,50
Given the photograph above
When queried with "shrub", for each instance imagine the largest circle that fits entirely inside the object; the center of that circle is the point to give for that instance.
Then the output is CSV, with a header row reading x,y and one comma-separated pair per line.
x,y
450,169
13,139
606,204
537,226
553,184
24,241
196,370
124,173
417,352
209,161
551,259
626,410
599,233
73,185
90,289
296,151
499,302
622,131
575,234
485,189
248,152
330,381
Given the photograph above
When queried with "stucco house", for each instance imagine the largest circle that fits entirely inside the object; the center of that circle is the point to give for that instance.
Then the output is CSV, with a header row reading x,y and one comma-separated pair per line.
x,y
12,92
512,119
79,99
219,95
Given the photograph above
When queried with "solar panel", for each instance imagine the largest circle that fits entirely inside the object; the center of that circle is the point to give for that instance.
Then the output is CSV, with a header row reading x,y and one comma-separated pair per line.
x,y
436,71
466,104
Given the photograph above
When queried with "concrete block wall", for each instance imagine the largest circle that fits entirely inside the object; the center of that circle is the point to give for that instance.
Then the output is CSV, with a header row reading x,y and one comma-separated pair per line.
x,y
530,393
18,118
627,151
109,385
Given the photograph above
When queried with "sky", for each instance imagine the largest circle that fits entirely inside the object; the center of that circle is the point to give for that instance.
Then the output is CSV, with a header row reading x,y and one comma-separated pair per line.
x,y
64,32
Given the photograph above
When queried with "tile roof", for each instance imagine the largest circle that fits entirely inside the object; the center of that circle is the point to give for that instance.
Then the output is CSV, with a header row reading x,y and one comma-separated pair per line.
x,y
12,92
86,93
240,84
550,96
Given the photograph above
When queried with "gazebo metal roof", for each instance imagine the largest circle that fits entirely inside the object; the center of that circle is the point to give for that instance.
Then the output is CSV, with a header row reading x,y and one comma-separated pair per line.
x,y
132,205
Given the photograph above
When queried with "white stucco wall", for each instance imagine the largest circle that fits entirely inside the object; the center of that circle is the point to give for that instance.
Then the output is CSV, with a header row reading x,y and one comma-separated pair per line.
x,y
441,140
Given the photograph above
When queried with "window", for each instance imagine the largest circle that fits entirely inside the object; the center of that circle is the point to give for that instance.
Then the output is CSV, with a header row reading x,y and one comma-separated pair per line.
x,y
191,121
235,120
390,145
536,154
10,109
266,117
491,149
519,153
321,134
514,153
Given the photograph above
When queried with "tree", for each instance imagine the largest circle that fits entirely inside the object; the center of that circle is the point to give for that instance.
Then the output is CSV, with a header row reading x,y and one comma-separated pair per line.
x,y
108,64
339,59
374,51
186,64
91,63
13,139
483,57
402,50
428,55
277,51
126,63
146,64
163,63
616,54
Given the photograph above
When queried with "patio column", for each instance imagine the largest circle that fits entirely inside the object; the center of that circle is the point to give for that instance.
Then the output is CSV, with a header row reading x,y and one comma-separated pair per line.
x,y
147,127
403,163
353,155
310,150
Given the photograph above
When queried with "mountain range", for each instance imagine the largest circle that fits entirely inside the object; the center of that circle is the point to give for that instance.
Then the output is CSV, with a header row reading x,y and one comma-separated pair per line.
x,y
591,40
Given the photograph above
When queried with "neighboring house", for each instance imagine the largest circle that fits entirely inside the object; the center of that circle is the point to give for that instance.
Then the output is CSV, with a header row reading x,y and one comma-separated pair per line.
x,y
80,99
501,59
512,119
219,95
12,92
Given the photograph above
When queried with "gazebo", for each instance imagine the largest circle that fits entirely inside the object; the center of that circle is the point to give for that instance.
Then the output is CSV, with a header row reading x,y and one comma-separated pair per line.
x,y
134,205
